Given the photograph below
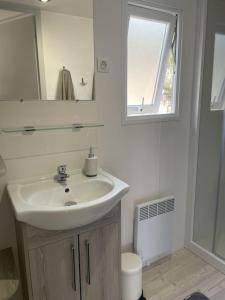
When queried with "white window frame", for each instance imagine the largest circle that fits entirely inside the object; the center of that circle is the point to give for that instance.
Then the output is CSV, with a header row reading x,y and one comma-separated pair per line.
x,y
173,17
219,104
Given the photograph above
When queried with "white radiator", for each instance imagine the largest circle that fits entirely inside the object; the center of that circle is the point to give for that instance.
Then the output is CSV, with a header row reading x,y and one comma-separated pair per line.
x,y
153,229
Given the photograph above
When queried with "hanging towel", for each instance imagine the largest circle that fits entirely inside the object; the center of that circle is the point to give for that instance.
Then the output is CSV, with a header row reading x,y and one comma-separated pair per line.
x,y
65,86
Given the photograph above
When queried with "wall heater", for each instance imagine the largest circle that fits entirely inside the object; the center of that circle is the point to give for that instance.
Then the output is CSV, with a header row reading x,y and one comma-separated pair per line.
x,y
153,229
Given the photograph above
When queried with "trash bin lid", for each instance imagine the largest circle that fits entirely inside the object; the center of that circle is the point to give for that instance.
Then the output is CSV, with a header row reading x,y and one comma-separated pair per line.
x,y
131,263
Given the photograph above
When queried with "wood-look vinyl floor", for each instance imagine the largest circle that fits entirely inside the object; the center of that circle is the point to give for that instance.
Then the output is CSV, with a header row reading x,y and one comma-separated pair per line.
x,y
176,277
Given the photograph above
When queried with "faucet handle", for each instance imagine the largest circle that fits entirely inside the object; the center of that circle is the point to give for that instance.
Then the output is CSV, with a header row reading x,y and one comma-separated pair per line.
x,y
61,169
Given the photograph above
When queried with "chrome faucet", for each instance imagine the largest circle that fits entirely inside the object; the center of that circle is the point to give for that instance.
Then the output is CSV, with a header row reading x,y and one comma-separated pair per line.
x,y
61,176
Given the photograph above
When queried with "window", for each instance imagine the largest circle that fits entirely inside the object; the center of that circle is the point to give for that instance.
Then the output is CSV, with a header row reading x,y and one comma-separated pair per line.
x,y
151,63
218,80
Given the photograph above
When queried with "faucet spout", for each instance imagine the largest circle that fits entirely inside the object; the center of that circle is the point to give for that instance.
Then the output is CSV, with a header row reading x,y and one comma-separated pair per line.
x,y
61,176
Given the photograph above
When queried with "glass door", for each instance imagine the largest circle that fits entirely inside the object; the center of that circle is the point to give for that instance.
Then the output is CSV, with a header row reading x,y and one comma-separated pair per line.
x,y
209,215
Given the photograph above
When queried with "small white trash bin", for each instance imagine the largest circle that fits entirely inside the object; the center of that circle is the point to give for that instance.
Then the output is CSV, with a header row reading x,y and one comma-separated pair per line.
x,y
131,265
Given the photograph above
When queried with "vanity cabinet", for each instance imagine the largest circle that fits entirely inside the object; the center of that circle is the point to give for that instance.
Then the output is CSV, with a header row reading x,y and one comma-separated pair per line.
x,y
100,264
54,271
79,264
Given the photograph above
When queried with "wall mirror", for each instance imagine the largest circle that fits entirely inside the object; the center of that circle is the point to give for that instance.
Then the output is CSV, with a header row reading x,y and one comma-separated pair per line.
x,y
47,50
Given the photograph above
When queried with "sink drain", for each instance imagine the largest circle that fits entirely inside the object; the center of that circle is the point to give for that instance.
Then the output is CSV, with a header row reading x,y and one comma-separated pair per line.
x,y
70,203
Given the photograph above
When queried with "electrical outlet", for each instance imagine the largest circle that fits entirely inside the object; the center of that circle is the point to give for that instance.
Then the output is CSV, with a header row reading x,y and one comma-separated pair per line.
x,y
103,65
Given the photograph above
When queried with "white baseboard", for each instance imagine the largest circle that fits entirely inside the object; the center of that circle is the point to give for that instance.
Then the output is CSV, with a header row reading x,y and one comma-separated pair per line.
x,y
207,256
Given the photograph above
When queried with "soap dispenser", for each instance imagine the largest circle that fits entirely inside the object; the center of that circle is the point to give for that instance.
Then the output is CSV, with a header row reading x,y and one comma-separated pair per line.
x,y
91,164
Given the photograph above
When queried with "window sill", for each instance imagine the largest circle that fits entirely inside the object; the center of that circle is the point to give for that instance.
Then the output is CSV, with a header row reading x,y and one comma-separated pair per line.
x,y
145,119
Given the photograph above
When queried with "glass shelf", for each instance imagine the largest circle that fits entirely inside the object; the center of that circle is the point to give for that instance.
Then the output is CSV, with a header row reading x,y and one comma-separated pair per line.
x,y
32,129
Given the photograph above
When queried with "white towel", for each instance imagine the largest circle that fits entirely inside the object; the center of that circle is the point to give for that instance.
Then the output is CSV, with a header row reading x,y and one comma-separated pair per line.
x,y
65,87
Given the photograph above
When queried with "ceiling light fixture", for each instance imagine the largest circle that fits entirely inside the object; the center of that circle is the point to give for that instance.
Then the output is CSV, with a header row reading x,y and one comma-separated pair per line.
x,y
44,1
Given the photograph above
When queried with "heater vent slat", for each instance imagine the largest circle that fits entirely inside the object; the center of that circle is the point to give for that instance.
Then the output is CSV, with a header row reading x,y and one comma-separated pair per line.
x,y
153,210
162,208
144,213
170,206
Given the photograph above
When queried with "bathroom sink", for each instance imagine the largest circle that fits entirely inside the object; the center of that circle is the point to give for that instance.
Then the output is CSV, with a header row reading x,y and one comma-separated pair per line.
x,y
47,204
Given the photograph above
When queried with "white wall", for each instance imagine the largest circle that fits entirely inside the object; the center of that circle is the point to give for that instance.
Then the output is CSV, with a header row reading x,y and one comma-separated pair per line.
x,y
68,41
152,158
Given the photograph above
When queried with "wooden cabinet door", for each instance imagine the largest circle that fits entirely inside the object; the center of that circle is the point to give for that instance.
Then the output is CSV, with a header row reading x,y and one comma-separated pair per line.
x,y
55,271
100,263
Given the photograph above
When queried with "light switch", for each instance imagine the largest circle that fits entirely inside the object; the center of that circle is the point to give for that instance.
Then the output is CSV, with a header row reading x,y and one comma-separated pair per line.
x,y
103,65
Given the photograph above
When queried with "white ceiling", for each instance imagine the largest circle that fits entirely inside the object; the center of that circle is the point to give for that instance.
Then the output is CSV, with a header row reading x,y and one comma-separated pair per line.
x,y
82,8
7,14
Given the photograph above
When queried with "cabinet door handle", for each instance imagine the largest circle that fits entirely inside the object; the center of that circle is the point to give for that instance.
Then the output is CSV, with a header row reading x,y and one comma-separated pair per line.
x,y
74,285
88,275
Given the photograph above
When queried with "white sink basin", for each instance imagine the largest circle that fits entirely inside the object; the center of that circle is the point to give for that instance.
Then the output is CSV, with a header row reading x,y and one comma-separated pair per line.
x,y
47,204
